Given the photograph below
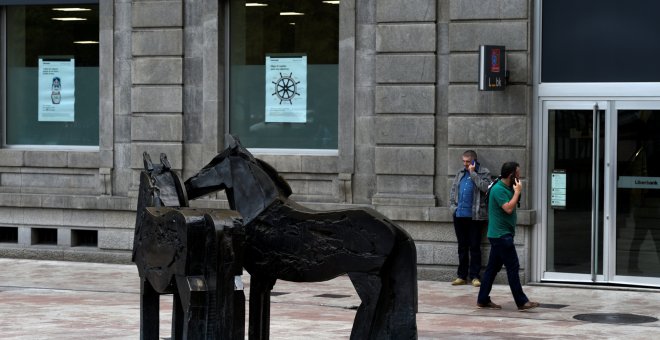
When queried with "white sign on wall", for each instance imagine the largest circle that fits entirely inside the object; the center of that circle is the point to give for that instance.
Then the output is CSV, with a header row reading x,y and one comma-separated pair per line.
x,y
56,90
286,89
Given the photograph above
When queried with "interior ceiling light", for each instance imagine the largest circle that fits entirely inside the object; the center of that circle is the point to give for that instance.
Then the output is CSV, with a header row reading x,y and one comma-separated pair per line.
x,y
255,4
69,19
86,42
291,13
331,2
72,9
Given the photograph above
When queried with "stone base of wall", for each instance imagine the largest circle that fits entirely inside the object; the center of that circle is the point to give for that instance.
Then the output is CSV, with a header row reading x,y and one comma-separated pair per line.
x,y
56,254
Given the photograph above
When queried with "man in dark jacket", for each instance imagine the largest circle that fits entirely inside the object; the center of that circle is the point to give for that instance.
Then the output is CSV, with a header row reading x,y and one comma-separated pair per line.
x,y
468,207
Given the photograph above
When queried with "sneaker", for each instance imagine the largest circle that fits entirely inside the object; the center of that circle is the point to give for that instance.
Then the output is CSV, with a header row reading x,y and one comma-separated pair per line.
x,y
489,305
528,305
476,282
458,282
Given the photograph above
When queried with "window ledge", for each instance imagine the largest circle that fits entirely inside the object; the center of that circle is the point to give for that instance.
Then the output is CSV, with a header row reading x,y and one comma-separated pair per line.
x,y
82,158
76,202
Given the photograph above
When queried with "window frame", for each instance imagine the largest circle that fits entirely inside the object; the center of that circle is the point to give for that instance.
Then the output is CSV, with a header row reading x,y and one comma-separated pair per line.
x,y
346,89
90,157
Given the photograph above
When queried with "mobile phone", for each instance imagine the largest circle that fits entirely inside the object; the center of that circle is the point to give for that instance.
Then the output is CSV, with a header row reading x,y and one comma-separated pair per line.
x,y
474,161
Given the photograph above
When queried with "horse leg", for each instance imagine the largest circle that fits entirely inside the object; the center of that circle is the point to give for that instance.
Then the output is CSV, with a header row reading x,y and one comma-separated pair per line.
x,y
178,316
368,287
149,311
397,306
191,296
259,322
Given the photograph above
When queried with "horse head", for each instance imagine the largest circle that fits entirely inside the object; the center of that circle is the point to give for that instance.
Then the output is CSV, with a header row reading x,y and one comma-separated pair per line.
x,y
163,187
251,184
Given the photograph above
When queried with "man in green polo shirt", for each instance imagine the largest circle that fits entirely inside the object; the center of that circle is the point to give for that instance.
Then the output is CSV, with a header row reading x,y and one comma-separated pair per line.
x,y
502,201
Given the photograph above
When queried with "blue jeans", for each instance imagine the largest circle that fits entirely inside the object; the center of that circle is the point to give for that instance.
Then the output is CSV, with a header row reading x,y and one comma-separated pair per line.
x,y
502,252
468,235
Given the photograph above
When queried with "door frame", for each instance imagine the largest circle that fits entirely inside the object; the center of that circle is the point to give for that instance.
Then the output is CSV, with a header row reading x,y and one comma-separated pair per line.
x,y
617,105
572,104
608,215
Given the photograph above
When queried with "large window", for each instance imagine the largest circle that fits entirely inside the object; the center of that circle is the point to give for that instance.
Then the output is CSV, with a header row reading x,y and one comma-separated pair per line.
x,y
600,41
283,86
51,78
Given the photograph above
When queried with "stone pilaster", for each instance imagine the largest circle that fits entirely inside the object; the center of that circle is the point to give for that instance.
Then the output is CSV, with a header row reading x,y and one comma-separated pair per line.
x,y
156,110
405,102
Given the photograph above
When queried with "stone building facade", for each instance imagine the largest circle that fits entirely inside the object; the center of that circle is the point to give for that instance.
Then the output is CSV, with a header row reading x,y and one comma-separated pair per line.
x,y
408,107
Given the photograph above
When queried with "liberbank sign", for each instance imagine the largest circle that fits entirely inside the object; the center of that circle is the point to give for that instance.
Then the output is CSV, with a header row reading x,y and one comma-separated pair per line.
x,y
636,182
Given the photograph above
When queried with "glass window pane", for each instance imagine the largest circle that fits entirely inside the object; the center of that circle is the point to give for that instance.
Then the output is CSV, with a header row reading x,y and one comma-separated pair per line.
x,y
638,193
296,107
570,152
43,106
600,41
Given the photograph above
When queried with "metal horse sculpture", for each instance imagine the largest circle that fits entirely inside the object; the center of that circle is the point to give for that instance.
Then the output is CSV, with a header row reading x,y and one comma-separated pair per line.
x,y
287,241
193,254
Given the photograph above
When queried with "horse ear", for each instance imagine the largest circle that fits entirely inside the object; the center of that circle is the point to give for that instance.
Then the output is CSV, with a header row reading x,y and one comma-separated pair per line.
x,y
232,141
148,164
165,162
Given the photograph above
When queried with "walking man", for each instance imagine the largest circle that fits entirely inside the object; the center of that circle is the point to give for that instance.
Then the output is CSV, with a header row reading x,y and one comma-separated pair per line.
x,y
502,201
468,206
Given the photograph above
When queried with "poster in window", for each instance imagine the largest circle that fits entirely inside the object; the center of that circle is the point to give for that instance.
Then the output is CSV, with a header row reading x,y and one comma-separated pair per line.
x,y
558,189
286,89
56,90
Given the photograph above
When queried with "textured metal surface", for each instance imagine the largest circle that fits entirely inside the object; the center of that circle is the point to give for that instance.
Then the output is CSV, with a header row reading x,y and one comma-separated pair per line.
x,y
194,254
287,241
615,318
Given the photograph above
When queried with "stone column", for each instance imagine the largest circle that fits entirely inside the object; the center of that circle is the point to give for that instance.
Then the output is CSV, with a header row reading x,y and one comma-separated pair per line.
x,y
405,102
156,122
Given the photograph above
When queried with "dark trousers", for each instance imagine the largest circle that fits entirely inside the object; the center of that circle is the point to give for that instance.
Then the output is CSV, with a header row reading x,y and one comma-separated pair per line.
x,y
502,252
468,234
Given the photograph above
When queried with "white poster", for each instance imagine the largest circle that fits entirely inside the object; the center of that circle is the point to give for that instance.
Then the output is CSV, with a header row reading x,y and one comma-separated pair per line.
x,y
56,90
286,89
558,189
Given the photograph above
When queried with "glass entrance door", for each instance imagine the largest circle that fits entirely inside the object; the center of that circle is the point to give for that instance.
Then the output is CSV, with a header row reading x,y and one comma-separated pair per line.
x,y
574,154
637,193
601,192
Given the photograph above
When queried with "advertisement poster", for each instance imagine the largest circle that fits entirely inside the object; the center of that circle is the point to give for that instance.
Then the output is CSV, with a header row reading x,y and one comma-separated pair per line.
x,y
286,89
56,90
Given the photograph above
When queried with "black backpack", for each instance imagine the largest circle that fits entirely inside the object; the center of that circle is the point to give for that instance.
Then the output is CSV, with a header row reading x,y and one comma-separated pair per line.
x,y
493,181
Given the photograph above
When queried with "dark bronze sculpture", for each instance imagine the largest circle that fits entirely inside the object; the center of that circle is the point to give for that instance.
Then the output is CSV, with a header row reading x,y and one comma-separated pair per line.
x,y
190,253
284,240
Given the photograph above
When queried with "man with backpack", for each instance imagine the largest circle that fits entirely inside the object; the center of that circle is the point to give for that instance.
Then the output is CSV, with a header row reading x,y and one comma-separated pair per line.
x,y
503,197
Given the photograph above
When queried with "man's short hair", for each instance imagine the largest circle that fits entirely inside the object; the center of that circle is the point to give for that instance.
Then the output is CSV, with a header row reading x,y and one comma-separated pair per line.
x,y
470,153
509,168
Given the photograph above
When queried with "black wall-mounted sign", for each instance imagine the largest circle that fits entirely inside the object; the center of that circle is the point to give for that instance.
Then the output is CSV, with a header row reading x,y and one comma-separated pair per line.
x,y
492,68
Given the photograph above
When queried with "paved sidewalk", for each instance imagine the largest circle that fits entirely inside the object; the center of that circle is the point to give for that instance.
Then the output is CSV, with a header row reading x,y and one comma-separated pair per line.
x,y
72,300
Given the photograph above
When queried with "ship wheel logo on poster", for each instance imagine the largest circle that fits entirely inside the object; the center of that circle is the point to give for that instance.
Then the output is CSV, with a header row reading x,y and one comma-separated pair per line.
x,y
285,88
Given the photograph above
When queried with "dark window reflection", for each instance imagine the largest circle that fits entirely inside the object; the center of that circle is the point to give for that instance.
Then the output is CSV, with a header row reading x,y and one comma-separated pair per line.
x,y
638,193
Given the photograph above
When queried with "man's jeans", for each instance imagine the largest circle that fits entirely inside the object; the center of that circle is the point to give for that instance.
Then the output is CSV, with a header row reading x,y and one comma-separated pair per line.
x,y
502,252
468,234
